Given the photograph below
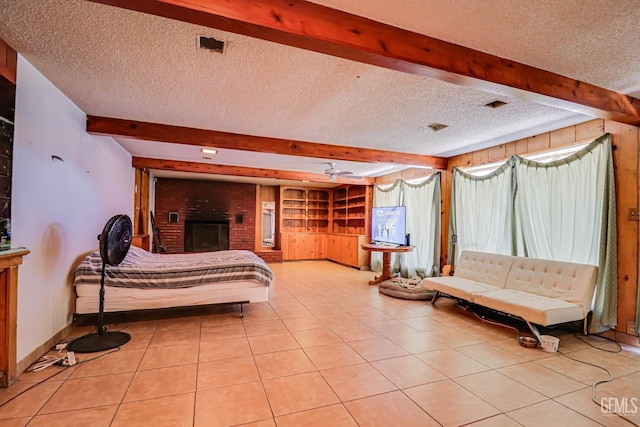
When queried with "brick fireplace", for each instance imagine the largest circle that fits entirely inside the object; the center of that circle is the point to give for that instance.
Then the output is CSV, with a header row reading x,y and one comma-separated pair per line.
x,y
205,202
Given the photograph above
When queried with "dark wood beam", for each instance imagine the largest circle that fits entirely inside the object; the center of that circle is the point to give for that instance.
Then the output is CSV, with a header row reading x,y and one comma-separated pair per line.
x,y
215,139
8,62
318,28
208,168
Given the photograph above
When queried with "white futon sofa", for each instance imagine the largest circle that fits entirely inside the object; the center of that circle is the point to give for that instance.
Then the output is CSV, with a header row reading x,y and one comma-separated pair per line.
x,y
540,291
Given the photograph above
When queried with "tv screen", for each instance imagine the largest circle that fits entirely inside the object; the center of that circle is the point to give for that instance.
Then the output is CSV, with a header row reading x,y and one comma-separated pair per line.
x,y
389,224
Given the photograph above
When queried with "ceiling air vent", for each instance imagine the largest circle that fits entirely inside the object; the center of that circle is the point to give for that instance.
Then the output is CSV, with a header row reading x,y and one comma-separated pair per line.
x,y
437,126
211,44
495,104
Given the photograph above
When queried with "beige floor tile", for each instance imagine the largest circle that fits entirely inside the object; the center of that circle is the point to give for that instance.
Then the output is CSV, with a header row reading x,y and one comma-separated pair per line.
x,y
333,356
140,338
499,391
176,323
315,337
512,346
290,362
541,379
369,314
95,417
113,363
226,372
90,392
310,391
392,327
222,332
377,349
497,421
266,327
550,413
580,401
618,365
357,381
407,371
259,315
334,416
15,422
627,386
227,406
356,332
490,355
339,319
215,320
162,382
159,357
423,323
30,402
226,349
451,337
261,344
303,323
262,423
174,339
577,370
452,363
174,411
450,404
417,343
389,409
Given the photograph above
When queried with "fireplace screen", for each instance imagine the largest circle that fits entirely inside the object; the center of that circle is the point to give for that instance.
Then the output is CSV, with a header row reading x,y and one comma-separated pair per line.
x,y
206,236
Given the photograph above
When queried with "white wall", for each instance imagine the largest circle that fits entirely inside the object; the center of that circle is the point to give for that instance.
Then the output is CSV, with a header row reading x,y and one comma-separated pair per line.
x,y
58,207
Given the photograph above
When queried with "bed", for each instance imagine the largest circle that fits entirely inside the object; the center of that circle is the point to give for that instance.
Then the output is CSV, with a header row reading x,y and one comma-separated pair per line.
x,y
146,280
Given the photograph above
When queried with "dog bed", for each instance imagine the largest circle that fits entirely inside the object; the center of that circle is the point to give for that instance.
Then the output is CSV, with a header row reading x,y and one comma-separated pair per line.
x,y
405,289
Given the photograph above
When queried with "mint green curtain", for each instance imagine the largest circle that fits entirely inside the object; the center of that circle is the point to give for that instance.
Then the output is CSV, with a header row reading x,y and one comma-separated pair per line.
x,y
564,210
423,224
482,212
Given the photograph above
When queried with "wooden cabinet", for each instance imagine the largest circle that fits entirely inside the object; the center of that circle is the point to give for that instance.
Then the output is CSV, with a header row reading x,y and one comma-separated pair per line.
x,y
297,246
347,249
304,210
319,223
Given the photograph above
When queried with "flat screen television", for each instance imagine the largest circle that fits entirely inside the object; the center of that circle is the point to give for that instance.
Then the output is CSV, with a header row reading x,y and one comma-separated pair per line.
x,y
389,224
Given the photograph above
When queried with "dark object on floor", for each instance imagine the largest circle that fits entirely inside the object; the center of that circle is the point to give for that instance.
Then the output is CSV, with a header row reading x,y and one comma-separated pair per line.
x,y
115,241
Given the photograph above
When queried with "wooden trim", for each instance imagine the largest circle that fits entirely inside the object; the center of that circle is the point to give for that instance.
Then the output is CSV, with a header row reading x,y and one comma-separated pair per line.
x,y
233,141
181,166
317,28
8,62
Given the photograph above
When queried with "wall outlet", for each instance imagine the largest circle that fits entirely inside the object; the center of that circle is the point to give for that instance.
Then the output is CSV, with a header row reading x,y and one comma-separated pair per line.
x,y
631,327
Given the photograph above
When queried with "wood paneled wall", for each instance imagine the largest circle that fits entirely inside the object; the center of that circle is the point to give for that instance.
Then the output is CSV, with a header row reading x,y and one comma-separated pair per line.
x,y
266,193
625,144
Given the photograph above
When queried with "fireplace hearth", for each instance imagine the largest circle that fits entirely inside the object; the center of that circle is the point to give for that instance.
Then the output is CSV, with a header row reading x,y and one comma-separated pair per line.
x,y
206,236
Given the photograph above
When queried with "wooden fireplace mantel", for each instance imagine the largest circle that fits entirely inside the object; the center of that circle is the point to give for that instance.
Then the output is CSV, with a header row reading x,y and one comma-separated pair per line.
x,y
9,262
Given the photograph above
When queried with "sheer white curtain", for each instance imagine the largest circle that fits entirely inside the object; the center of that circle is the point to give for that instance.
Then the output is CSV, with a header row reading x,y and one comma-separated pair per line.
x,y
388,196
482,212
565,211
423,224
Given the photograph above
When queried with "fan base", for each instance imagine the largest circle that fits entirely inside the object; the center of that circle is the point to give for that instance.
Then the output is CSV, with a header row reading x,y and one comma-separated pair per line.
x,y
98,342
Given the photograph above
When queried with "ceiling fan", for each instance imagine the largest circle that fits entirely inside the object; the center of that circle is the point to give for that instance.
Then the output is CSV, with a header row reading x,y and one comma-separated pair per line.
x,y
334,173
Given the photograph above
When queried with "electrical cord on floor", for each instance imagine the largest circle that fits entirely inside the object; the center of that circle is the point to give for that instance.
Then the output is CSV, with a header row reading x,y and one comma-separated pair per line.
x,y
595,385
45,362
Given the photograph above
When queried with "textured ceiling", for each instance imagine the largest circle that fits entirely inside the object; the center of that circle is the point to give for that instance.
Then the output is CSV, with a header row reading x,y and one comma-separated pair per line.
x,y
118,63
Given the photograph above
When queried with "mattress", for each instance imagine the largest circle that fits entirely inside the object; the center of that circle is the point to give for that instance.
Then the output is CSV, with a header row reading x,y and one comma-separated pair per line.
x,y
146,281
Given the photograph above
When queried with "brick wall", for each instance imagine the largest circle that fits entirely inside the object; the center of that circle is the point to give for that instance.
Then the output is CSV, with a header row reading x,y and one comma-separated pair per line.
x,y
209,201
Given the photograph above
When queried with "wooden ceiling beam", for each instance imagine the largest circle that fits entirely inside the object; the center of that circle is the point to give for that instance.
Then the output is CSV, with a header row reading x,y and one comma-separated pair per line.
x,y
208,168
314,27
215,139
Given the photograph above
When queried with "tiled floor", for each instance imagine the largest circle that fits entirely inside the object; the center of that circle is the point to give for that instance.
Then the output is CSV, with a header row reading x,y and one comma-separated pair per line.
x,y
328,350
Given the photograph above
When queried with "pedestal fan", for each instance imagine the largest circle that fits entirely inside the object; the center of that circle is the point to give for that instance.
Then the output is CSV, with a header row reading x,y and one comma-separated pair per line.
x,y
115,241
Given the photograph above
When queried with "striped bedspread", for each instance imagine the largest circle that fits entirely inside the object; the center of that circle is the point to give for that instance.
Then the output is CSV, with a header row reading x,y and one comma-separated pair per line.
x,y
145,270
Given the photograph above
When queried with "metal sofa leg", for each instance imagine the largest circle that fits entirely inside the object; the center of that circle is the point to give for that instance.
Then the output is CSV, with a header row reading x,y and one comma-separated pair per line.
x,y
435,297
534,330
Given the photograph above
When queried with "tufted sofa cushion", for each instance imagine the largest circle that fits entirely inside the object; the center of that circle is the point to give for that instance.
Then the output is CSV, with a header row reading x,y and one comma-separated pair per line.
x,y
567,281
490,269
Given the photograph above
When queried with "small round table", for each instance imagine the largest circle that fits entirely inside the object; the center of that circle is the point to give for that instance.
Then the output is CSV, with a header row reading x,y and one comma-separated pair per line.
x,y
386,259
